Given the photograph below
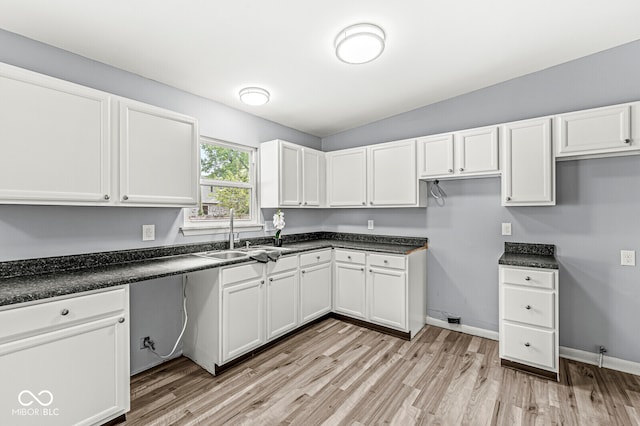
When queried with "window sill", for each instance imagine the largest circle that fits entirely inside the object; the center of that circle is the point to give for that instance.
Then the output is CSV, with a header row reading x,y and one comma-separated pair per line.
x,y
208,229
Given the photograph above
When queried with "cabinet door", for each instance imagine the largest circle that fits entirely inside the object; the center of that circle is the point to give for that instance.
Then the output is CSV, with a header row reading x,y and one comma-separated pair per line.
x,y
350,290
312,164
315,292
435,155
388,297
347,178
529,168
242,318
55,139
290,175
599,130
158,156
282,303
477,151
393,176
77,375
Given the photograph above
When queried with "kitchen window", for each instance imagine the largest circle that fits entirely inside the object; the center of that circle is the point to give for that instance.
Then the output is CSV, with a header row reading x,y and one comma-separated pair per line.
x,y
227,181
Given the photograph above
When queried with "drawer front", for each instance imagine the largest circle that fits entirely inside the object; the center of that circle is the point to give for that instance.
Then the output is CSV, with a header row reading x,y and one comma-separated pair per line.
x,y
234,274
529,277
348,256
529,345
315,258
29,319
282,264
529,306
387,261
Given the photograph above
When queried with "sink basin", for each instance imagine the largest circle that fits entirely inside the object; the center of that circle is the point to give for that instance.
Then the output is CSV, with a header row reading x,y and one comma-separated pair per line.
x,y
268,249
223,255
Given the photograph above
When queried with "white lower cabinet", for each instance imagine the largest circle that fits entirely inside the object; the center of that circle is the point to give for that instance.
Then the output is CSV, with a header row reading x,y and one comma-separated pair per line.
x,y
66,361
388,297
282,297
349,284
242,318
529,318
315,285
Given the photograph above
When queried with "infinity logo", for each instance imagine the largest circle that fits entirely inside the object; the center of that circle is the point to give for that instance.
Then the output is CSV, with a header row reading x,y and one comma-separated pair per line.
x,y
35,398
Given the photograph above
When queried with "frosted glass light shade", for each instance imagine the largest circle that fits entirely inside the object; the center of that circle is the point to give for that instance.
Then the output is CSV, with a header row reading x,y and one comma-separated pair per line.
x,y
254,96
360,43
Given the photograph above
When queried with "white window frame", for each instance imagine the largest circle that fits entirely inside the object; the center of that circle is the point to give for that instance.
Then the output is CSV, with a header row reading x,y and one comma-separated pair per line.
x,y
204,227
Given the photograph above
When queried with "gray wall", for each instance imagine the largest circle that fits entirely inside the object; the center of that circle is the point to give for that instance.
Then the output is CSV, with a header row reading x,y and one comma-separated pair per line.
x,y
596,216
40,231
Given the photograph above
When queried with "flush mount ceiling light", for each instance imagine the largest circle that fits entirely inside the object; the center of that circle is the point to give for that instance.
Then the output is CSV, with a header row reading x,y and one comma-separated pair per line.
x,y
359,43
254,96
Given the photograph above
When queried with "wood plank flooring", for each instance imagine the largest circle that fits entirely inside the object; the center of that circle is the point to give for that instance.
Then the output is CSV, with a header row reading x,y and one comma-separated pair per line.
x,y
335,373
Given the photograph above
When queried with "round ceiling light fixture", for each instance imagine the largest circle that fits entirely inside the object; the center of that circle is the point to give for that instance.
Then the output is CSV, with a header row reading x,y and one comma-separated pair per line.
x,y
360,43
254,96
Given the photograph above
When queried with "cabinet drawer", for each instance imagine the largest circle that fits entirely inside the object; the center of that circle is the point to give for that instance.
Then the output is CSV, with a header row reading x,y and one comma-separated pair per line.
x,y
314,258
29,319
348,256
530,306
283,264
236,274
387,261
530,345
529,277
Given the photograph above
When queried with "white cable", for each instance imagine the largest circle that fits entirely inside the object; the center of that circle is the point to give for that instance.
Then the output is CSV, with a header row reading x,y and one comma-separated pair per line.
x,y
436,191
184,327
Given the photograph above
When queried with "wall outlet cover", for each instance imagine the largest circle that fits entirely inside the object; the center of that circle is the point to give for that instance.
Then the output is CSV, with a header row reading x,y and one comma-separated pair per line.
x,y
370,224
628,257
506,228
148,232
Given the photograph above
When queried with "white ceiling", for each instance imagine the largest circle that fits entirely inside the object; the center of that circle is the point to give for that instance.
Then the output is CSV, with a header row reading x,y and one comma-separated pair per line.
x,y
435,49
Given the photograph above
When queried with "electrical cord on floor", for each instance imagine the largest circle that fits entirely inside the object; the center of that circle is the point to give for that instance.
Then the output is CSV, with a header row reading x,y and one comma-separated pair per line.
x,y
184,327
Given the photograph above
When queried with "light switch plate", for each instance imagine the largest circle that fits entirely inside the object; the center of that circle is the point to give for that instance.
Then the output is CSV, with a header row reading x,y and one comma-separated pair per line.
x,y
506,228
148,232
628,257
370,224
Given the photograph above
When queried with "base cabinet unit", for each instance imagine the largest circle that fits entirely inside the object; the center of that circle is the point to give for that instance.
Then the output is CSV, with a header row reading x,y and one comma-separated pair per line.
x,y
349,283
93,148
282,296
315,285
529,168
66,361
598,132
528,319
291,175
388,297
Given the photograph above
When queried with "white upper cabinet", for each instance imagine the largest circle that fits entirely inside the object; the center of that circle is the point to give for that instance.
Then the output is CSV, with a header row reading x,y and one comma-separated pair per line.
x,y
347,178
393,179
67,144
158,156
467,153
599,131
528,177
291,175
55,141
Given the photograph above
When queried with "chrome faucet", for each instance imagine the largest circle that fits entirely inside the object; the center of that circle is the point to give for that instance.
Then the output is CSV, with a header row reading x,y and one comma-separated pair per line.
x,y
231,237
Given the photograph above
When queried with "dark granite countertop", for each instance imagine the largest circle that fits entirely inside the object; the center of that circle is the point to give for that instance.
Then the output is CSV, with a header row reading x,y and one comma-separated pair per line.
x,y
21,283
529,255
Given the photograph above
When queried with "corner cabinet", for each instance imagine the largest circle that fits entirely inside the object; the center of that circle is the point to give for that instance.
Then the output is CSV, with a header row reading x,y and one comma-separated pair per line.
x,y
65,144
66,361
291,175
529,168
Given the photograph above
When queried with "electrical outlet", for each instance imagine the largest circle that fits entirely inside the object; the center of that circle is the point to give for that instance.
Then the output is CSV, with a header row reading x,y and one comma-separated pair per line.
x,y
628,257
370,224
148,232
506,228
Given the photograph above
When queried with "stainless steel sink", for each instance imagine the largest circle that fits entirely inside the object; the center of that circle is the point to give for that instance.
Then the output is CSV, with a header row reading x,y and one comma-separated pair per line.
x,y
223,255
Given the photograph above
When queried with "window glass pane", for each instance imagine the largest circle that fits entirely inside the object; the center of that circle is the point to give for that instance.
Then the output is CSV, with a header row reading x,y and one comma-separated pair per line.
x,y
216,201
222,163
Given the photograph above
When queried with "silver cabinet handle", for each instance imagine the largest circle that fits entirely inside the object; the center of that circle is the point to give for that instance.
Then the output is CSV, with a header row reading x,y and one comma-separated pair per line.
x,y
370,270
299,203
450,170
106,196
125,197
364,204
371,202
527,307
121,320
64,312
262,282
317,257
386,261
461,169
527,344
270,279
303,271
527,278
305,203
508,198
349,257
627,141
362,269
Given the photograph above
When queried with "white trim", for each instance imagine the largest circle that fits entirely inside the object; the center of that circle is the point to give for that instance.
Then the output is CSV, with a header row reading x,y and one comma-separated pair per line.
x,y
617,364
608,361
467,329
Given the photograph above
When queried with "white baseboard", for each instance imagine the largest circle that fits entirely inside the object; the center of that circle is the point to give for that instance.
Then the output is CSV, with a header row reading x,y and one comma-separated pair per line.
x,y
568,353
474,331
607,361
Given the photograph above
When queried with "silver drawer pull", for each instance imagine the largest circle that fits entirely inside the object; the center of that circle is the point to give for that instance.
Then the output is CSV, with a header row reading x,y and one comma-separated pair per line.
x,y
121,320
450,170
318,257
386,261
106,197
527,278
349,257
125,197
461,169
362,269
303,272
627,141
64,312
270,279
527,344
527,307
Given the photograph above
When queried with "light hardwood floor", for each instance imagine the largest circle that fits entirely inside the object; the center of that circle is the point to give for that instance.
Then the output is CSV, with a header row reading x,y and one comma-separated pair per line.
x,y
336,373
